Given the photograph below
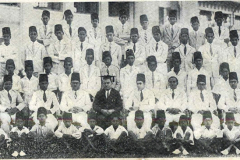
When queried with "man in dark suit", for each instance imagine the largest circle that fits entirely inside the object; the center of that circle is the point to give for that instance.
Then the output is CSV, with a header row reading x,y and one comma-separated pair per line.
x,y
107,101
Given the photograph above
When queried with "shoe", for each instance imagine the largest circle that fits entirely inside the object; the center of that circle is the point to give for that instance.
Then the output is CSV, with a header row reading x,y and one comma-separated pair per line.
x,y
177,151
225,152
185,152
15,154
22,153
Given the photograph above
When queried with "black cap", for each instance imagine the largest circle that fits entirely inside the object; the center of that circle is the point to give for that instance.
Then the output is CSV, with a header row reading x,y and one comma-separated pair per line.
x,y
68,59
109,29
176,55
94,16
82,29
123,12
10,62
141,77
6,30
138,114
7,78
41,110
58,27
46,13
134,31
161,114
129,52
194,19
151,59
28,63
230,116
201,78
233,75
67,116
233,34
32,29
19,115
224,65
183,117
75,76
111,77
208,30
90,51
156,29
106,54
218,14
207,114
43,78
115,114
197,55
184,31
47,60
68,13
172,13
143,18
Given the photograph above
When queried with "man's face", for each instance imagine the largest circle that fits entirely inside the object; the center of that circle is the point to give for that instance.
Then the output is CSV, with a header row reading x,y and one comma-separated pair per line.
x,y
67,123
225,72
75,85
172,20
201,85
45,20
230,124
152,66
134,38
8,85
29,71
115,122
10,68
107,61
6,38
176,63
198,63
157,37
33,36
144,25
183,122
234,41
69,19
130,60
123,19
92,122
233,83
110,36
42,118
43,85
89,59
107,84
172,82
219,21
48,67
184,38
140,85
95,23
195,26
20,123
82,35
210,37
207,122
139,121
59,35
68,65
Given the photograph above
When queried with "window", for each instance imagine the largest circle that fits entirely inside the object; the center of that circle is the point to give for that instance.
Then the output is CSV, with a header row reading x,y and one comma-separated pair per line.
x,y
86,7
11,4
51,6
115,7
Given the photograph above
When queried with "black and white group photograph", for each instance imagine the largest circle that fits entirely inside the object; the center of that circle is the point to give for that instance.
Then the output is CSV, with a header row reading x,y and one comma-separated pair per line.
x,y
111,79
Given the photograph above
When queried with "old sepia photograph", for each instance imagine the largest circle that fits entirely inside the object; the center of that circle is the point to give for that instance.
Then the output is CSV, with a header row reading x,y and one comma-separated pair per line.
x,y
119,79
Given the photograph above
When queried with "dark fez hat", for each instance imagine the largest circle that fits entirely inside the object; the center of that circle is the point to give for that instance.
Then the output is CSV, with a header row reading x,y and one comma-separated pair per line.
x,y
109,29
58,27
201,78
233,34
141,77
134,31
233,75
172,13
218,14
94,16
7,78
197,55
75,76
143,18
43,78
194,19
106,54
129,52
46,13
155,29
32,29
28,63
6,30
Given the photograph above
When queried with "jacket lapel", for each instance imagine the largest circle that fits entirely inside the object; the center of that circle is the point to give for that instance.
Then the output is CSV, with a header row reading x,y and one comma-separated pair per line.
x,y
168,31
176,30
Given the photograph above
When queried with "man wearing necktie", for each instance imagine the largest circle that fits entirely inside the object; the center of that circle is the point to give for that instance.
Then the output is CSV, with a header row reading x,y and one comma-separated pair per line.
x,y
145,32
76,101
69,18
107,101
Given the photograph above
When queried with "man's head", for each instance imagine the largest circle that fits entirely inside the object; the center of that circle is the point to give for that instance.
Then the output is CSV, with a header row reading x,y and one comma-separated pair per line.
x,y
6,33
161,118
130,57
233,80
230,120
183,121
139,118
134,35
68,63
207,119
68,16
33,33
107,58
184,36
58,30
218,18
29,68
47,64
172,82
140,81
20,119
89,56
109,33
42,114
82,34
7,82
152,63
144,21
115,119
43,82
198,59
94,20
176,59
172,17
201,82
67,119
10,66
123,16
209,35
224,70
45,17
107,82
195,23
92,119
75,81
156,33
233,34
